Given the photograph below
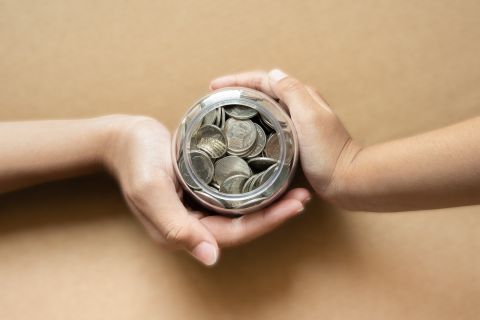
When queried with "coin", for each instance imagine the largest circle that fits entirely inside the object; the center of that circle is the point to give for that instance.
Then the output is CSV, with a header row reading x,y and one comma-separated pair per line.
x,y
272,147
265,175
259,142
215,185
210,117
241,135
233,184
241,112
229,166
202,166
281,180
261,163
241,154
212,140
251,203
222,118
266,121
249,183
210,199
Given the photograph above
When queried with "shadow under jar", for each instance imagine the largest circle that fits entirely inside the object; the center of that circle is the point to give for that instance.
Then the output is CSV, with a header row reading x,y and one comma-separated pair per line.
x,y
235,151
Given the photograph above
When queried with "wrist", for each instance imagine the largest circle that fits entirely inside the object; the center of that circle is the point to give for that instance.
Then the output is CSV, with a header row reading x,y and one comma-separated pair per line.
x,y
110,131
121,136
341,191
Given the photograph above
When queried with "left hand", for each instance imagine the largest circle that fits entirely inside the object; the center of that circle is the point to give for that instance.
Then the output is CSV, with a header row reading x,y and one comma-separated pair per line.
x,y
139,156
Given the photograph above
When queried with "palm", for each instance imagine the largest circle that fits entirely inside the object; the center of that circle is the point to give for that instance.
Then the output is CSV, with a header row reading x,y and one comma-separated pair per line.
x,y
145,171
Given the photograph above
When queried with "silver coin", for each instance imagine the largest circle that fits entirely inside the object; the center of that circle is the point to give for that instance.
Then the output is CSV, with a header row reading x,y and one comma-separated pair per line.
x,y
210,199
261,163
233,184
255,183
202,166
215,185
272,147
288,146
259,143
241,135
182,167
264,176
251,203
212,140
279,182
246,187
241,154
264,126
229,166
233,204
240,112
218,117
181,139
266,121
210,117
222,118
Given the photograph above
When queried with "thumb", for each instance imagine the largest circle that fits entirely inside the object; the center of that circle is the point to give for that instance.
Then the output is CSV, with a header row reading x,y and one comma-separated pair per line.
x,y
322,137
158,202
304,105
188,232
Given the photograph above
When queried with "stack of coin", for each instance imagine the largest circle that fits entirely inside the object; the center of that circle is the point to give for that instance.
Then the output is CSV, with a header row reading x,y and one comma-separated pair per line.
x,y
236,150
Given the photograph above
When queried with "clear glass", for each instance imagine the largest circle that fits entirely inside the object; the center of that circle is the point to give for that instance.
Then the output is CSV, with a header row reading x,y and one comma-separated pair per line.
x,y
270,112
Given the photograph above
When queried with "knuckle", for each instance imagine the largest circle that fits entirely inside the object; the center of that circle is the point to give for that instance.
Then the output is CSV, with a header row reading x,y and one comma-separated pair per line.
x,y
140,188
142,127
256,83
176,234
237,232
291,85
308,113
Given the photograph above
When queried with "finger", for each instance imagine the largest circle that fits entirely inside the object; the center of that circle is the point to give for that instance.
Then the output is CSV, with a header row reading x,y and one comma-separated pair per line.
x,y
257,80
157,200
303,107
231,232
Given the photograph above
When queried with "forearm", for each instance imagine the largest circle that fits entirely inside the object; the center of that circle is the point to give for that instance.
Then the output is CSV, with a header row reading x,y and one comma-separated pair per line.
x,y
33,152
433,170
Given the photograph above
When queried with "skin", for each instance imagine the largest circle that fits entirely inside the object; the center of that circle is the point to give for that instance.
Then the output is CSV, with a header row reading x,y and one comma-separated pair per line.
x,y
137,152
433,170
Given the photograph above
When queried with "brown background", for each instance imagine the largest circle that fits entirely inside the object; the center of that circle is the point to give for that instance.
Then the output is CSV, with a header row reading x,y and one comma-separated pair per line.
x,y
71,250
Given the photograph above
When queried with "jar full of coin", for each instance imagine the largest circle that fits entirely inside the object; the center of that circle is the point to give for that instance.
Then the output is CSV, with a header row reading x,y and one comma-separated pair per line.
x,y
235,150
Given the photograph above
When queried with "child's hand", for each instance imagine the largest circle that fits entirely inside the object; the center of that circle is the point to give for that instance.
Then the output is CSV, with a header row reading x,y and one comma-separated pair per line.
x,y
139,156
326,148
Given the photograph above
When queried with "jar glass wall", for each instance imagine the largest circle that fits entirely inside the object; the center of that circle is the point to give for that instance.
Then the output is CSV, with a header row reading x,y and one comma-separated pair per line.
x,y
235,151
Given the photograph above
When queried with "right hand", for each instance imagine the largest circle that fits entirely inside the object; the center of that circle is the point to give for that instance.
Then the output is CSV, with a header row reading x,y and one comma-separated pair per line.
x,y
326,148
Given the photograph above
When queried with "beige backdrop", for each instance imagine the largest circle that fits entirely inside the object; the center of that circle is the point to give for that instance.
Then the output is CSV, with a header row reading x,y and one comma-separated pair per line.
x,y
71,250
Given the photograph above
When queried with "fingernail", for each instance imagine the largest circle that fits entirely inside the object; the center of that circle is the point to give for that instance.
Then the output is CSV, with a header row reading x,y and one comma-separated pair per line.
x,y
277,74
307,199
206,253
301,209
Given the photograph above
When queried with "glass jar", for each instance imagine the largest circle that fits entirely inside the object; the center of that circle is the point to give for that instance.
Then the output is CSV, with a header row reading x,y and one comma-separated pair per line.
x,y
215,160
